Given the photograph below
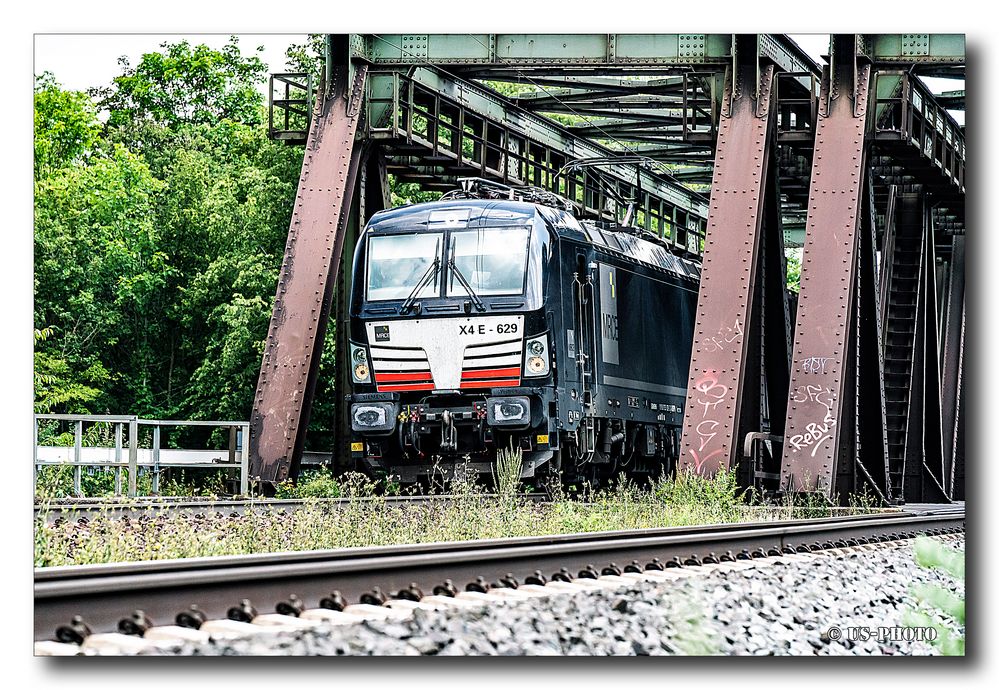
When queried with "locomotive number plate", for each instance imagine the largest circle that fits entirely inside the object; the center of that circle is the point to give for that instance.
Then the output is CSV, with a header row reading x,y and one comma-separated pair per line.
x,y
482,329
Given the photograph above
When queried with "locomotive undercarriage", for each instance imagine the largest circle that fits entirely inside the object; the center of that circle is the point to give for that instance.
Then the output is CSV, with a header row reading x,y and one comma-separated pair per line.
x,y
615,446
443,436
443,439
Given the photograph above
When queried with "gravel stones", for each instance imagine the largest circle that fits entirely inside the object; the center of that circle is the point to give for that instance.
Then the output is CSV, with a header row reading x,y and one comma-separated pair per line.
x,y
780,607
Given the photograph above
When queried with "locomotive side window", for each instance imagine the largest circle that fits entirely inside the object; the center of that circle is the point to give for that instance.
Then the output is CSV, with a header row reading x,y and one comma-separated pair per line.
x,y
493,261
397,263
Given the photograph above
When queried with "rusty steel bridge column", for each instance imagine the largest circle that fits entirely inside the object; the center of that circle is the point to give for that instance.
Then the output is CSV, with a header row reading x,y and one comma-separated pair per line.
x,y
824,354
729,271
287,381
952,367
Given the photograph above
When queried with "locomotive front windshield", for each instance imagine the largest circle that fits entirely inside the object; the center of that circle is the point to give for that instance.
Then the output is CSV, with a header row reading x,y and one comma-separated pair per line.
x,y
397,263
493,261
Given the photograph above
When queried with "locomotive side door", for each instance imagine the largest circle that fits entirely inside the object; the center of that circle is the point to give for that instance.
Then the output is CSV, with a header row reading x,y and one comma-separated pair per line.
x,y
583,306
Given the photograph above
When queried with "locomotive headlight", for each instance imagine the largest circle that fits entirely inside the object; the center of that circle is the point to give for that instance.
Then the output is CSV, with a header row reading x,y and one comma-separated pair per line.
x,y
359,355
536,356
373,417
369,416
513,411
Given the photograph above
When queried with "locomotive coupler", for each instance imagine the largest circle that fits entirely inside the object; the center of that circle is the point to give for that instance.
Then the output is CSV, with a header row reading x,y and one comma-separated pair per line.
x,y
449,435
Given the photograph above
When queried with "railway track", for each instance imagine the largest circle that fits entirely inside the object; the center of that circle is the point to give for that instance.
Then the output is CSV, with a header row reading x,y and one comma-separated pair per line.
x,y
346,585
137,508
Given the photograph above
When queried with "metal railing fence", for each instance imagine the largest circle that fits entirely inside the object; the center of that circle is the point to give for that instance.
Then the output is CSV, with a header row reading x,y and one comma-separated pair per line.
x,y
153,457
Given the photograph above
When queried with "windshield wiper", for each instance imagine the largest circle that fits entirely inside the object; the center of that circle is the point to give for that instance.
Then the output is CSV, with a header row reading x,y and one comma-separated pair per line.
x,y
468,288
428,275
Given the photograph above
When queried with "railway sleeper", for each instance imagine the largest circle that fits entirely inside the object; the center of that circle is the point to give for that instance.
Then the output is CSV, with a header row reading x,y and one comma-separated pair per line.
x,y
152,638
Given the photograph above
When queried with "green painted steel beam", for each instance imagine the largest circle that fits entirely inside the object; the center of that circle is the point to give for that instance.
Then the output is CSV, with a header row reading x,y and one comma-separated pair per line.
x,y
939,49
488,104
794,236
549,50
952,100
607,88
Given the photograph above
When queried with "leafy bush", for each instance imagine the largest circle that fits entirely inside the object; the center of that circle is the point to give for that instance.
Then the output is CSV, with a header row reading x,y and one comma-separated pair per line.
x,y
940,609
720,493
311,484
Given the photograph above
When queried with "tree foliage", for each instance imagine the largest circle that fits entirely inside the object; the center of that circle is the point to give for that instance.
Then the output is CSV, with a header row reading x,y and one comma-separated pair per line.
x,y
158,236
185,84
66,126
794,270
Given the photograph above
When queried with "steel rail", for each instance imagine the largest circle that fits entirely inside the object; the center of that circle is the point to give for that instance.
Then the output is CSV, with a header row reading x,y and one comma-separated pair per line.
x,y
104,594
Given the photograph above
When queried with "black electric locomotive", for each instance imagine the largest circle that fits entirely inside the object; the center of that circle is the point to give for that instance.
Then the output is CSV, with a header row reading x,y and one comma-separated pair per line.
x,y
481,324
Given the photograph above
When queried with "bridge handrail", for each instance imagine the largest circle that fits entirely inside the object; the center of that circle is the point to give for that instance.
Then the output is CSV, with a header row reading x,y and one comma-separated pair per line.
x,y
237,446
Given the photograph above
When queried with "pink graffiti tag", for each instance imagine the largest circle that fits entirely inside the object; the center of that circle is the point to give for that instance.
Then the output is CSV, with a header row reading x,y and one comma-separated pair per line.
x,y
710,394
709,386
699,462
706,434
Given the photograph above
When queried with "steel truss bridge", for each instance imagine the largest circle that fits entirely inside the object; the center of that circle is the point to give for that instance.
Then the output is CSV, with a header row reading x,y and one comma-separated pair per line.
x,y
736,147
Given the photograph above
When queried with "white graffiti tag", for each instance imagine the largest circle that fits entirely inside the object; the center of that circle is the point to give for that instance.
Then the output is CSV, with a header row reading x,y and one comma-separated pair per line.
x,y
815,432
725,336
814,365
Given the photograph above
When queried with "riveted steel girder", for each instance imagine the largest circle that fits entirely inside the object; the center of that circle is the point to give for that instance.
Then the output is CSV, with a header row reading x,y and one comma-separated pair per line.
x,y
729,271
914,49
925,443
295,337
953,361
550,50
391,91
819,369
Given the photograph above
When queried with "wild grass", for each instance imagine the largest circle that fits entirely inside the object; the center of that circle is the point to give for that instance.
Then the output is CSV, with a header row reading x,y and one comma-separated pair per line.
x,y
56,482
366,518
506,474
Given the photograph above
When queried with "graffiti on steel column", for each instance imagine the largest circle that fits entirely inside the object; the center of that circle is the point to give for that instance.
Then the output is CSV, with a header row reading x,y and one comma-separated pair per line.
x,y
709,394
814,365
725,336
816,432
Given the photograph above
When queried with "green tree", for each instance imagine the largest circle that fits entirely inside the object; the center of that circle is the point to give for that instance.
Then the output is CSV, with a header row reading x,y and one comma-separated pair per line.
x,y
308,57
794,270
58,386
185,84
99,272
66,126
158,237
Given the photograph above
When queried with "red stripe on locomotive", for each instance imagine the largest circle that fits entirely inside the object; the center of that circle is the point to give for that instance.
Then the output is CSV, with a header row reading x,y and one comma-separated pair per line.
x,y
404,376
491,373
406,387
490,383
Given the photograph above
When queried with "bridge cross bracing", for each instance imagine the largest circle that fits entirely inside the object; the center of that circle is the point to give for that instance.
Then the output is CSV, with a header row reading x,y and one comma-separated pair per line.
x,y
429,108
